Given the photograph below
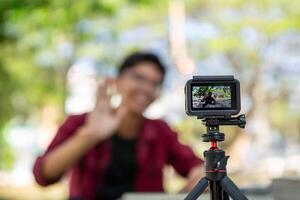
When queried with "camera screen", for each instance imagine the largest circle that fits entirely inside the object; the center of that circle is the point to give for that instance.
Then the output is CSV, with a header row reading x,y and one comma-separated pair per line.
x,y
212,97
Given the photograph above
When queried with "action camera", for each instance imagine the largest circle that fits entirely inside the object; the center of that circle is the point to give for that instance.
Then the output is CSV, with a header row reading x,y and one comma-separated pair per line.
x,y
212,96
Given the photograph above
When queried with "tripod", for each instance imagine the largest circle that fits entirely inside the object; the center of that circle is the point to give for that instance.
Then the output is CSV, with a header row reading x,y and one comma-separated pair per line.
x,y
221,186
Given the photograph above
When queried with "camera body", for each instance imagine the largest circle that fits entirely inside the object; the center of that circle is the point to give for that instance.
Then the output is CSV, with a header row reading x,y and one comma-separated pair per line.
x,y
212,96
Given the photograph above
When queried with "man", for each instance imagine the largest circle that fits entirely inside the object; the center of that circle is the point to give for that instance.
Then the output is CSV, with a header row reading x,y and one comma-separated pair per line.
x,y
208,100
112,151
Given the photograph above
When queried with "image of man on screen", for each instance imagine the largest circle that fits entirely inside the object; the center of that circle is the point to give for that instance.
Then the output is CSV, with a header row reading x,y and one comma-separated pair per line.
x,y
208,100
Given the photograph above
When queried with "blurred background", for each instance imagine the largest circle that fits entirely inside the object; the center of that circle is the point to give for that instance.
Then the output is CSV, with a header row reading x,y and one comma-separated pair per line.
x,y
53,52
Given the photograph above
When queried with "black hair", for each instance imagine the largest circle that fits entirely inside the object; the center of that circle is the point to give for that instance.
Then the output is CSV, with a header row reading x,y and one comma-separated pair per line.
x,y
140,57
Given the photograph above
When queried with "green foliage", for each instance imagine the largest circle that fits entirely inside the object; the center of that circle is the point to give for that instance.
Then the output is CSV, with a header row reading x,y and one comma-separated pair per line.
x,y
7,87
32,30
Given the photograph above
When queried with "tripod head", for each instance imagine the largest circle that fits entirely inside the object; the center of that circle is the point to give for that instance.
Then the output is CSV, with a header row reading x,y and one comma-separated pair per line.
x,y
212,124
216,160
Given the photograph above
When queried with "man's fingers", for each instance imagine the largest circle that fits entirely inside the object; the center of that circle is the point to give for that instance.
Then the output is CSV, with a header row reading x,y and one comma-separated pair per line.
x,y
111,87
193,177
121,112
190,185
104,92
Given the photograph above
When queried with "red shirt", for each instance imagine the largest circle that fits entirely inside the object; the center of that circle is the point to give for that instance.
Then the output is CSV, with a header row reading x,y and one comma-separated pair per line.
x,y
157,145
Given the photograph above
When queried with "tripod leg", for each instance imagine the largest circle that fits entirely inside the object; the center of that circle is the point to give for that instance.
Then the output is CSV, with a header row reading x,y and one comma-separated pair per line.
x,y
224,195
217,192
197,190
232,189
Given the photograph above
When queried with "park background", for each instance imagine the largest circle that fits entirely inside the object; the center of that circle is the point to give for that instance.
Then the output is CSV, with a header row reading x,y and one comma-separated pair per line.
x,y
53,52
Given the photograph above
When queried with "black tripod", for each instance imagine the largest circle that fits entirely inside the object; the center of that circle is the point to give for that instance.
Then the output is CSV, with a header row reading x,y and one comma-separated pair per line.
x,y
221,187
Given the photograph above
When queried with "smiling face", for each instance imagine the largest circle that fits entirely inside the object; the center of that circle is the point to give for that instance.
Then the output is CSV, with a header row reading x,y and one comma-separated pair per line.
x,y
139,86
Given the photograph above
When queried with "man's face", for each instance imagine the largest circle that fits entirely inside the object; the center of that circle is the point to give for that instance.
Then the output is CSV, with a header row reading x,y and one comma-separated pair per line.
x,y
139,86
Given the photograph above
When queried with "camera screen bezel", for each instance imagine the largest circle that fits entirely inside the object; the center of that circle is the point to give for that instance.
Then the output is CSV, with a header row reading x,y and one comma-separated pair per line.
x,y
213,81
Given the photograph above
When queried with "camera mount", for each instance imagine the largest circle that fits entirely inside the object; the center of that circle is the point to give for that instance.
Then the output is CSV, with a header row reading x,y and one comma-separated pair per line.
x,y
212,125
